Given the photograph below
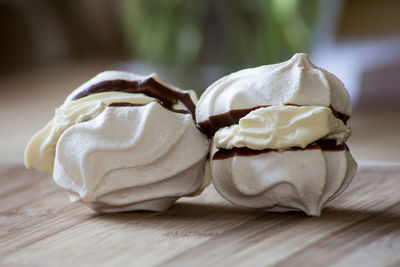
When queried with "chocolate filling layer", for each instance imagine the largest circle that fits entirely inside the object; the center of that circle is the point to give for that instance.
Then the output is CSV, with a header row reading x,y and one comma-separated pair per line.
x,y
215,122
127,104
323,144
149,87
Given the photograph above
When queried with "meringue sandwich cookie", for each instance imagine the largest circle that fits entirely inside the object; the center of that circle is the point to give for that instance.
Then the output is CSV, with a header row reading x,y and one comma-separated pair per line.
x,y
122,142
278,136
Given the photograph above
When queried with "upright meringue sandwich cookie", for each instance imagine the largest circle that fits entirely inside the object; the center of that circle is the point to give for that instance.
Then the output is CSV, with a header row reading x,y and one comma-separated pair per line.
x,y
123,142
278,136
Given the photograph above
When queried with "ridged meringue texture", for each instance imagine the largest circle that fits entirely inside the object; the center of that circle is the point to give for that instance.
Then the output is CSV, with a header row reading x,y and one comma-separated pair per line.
x,y
296,81
278,134
123,142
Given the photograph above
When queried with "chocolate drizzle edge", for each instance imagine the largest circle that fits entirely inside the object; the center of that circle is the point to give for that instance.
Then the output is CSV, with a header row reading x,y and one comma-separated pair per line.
x,y
128,104
323,144
150,87
215,122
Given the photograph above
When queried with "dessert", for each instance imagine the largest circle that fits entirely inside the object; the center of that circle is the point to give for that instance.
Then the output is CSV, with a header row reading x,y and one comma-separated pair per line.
x,y
278,136
123,142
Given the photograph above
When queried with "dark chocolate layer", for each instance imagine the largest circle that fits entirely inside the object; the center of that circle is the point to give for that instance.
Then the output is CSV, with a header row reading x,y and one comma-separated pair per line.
x,y
127,104
215,122
149,87
326,145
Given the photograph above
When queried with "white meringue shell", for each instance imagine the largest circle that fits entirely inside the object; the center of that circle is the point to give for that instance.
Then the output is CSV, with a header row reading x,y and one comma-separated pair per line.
x,y
141,157
296,81
302,180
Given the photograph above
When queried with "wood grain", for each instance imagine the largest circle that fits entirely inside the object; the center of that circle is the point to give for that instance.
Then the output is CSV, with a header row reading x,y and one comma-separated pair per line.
x,y
39,227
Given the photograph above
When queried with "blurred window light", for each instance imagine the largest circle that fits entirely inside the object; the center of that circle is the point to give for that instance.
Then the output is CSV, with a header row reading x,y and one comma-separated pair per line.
x,y
359,41
187,33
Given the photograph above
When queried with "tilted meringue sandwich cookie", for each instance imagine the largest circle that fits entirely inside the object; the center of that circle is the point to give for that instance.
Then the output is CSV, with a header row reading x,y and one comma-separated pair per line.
x,y
278,136
123,142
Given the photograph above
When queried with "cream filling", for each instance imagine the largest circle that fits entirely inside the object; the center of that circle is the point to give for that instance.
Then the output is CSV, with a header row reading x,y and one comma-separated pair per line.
x,y
40,151
282,127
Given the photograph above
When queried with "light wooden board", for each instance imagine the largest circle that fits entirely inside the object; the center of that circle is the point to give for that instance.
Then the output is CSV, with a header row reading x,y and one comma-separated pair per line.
x,y
39,227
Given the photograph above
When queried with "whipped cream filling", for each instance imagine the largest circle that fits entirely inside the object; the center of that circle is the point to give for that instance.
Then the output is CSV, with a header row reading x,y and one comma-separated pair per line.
x,y
283,127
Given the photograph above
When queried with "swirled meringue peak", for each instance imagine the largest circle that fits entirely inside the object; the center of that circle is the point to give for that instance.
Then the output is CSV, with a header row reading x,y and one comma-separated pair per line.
x,y
278,136
296,81
123,142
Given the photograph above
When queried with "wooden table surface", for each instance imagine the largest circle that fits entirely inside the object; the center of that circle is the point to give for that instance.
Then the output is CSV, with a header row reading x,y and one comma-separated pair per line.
x,y
39,227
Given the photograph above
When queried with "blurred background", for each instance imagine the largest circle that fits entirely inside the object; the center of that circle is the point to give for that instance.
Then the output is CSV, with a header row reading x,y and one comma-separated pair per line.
x,y
49,47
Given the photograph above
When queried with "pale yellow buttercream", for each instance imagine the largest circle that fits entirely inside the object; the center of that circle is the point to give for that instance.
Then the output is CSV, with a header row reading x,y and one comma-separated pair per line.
x,y
281,127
